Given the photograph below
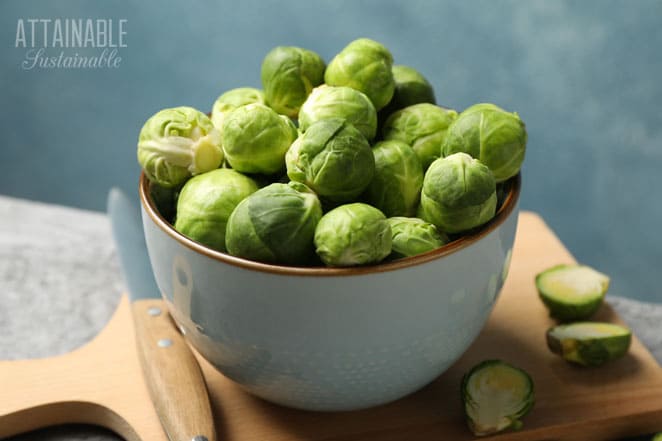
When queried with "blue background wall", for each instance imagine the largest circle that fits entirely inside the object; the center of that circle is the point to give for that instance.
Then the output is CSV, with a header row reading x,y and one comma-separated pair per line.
x,y
584,76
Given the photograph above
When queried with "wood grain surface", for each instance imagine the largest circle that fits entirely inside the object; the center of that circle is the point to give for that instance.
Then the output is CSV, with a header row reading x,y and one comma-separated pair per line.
x,y
101,383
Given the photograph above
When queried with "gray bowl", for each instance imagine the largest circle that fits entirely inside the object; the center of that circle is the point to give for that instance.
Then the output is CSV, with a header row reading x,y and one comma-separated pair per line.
x,y
332,338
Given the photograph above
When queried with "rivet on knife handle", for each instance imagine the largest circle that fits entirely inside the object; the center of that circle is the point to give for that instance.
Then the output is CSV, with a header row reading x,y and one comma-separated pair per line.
x,y
172,374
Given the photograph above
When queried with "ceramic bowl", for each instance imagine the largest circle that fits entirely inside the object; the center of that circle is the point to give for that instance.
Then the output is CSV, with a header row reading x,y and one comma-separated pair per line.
x,y
332,338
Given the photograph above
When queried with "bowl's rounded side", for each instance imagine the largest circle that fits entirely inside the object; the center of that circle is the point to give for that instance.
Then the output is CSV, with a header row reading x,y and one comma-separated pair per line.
x,y
332,343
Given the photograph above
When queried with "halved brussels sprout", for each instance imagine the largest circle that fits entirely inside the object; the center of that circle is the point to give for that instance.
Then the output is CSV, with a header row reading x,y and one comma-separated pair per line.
x,y
288,76
396,186
255,139
489,133
326,102
422,126
232,99
412,236
459,193
411,88
589,343
177,143
276,224
353,234
206,203
572,291
364,65
496,396
332,158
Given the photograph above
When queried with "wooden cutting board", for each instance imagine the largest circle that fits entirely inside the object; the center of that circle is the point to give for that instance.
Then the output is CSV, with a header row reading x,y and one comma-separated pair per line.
x,y
101,383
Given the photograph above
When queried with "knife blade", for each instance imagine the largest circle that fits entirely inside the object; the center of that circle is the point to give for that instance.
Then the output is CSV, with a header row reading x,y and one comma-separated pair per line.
x,y
172,374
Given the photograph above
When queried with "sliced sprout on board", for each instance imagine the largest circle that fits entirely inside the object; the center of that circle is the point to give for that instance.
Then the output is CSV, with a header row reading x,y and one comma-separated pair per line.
x,y
572,291
496,396
589,343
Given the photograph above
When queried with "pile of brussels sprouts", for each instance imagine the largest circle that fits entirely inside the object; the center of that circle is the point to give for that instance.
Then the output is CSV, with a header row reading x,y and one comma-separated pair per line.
x,y
343,164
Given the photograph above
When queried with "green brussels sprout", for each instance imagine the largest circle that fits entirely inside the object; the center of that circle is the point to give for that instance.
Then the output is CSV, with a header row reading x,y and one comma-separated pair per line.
x,y
353,234
165,200
364,65
411,88
459,193
412,236
177,143
206,202
232,99
276,224
288,76
396,186
489,133
657,437
332,158
255,139
422,126
589,343
572,291
326,102
496,396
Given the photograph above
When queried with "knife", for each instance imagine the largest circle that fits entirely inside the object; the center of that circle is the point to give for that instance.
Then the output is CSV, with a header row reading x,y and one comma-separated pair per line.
x,y
172,374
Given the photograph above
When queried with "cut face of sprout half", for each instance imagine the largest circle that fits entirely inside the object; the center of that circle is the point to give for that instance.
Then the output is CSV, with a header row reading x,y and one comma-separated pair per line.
x,y
496,396
589,343
572,291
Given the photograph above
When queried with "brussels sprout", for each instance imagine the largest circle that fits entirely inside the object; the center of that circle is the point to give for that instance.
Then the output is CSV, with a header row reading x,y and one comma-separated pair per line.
x,y
657,437
232,99
422,126
410,88
572,292
276,224
255,139
288,75
396,187
589,343
332,158
412,236
165,200
489,133
353,234
326,102
206,202
364,65
177,143
459,193
496,396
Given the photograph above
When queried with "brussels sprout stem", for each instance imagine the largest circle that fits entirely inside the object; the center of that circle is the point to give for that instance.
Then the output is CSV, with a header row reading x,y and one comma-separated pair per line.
x,y
205,152
197,154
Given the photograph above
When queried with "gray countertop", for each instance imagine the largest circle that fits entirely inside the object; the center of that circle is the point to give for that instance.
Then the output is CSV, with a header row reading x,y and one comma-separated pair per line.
x,y
60,283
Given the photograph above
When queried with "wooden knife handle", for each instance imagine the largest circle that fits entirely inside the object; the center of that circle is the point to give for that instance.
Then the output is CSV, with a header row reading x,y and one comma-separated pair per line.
x,y
172,374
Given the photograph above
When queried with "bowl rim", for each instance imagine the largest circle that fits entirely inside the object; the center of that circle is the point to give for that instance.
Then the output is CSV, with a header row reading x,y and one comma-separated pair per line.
x,y
503,213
